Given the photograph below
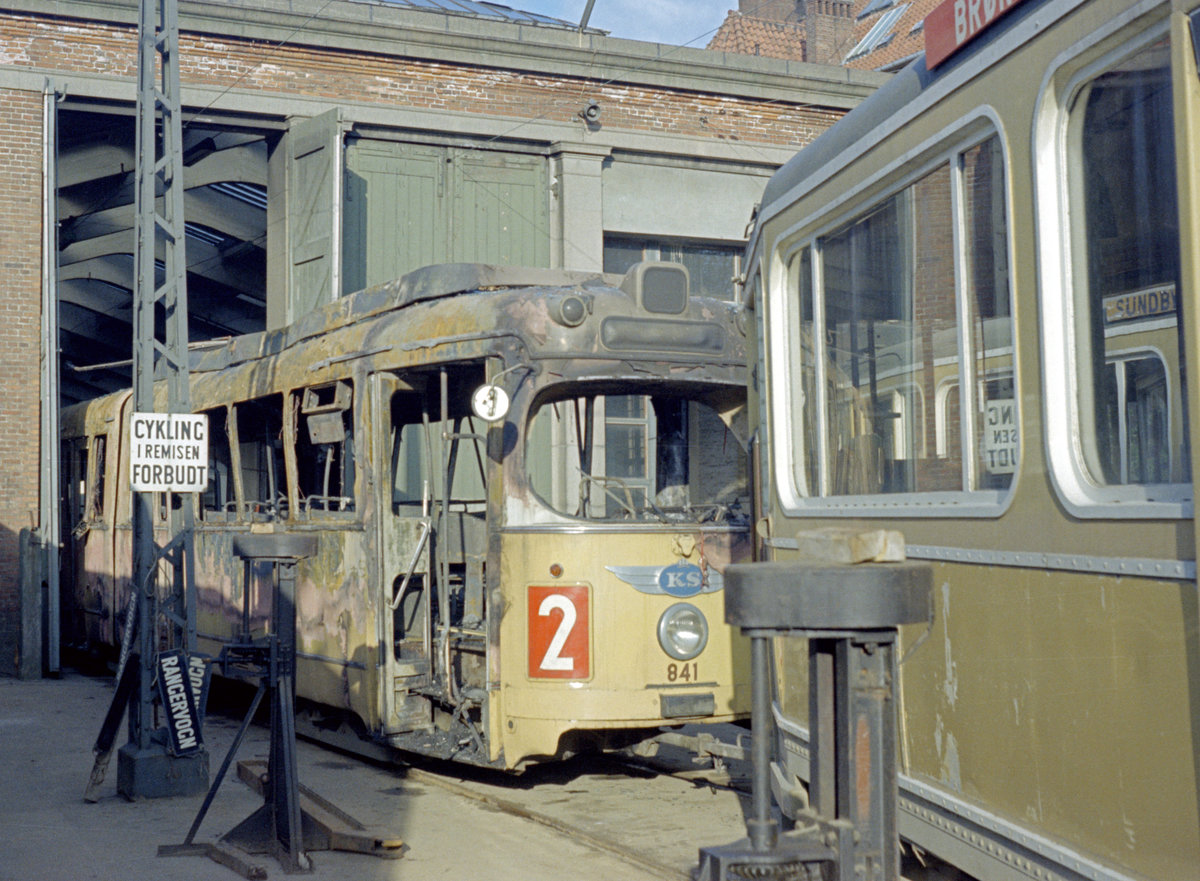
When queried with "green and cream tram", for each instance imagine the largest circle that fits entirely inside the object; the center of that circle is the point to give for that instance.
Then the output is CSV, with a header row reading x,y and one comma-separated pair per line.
x,y
975,301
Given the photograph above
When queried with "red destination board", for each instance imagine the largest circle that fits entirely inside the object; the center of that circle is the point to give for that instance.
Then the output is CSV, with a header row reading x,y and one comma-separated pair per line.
x,y
955,23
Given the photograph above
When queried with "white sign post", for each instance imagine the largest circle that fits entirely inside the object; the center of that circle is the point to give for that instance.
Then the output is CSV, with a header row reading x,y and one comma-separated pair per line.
x,y
168,452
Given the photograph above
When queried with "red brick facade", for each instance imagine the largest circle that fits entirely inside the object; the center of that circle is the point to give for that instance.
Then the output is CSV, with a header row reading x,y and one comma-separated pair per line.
x,y
55,43
20,346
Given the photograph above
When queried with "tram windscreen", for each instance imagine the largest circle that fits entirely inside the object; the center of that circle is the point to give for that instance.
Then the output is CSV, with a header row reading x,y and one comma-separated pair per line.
x,y
651,457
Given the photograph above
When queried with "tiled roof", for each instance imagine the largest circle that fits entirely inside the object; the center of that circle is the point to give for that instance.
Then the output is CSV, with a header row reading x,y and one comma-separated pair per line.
x,y
746,35
885,34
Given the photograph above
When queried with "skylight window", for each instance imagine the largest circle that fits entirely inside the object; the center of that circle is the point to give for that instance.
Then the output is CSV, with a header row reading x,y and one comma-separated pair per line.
x,y
874,6
879,34
204,234
251,194
482,10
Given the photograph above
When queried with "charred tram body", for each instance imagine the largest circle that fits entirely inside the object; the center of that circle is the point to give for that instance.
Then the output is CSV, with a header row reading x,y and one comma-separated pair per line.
x,y
524,485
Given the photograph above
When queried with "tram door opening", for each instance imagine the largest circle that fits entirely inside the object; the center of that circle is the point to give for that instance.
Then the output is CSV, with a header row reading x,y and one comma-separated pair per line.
x,y
434,541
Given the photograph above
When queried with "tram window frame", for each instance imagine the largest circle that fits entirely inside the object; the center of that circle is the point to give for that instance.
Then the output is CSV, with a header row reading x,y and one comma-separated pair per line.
x,y
419,453
269,412
97,461
808,474
218,502
683,480
1080,342
323,443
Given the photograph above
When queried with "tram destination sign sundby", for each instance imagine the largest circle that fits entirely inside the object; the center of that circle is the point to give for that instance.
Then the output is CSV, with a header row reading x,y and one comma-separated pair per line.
x,y
168,452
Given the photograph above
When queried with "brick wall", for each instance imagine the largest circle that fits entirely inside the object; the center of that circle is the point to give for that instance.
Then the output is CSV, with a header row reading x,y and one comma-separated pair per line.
x,y
20,325
830,26
52,43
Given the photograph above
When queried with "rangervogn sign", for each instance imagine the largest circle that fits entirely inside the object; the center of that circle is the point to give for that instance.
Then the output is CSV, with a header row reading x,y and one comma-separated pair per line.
x,y
175,689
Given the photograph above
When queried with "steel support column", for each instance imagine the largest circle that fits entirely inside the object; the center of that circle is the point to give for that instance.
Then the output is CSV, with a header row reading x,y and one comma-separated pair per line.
x,y
145,768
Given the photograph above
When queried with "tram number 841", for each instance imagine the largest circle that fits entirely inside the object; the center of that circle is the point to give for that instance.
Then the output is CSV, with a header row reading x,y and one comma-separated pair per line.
x,y
689,672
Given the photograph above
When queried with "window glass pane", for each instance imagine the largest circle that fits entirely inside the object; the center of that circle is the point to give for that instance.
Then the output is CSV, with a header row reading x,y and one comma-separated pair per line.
x,y
805,367
985,275
621,253
711,266
625,447
640,457
1147,441
625,406
887,349
1127,267
710,270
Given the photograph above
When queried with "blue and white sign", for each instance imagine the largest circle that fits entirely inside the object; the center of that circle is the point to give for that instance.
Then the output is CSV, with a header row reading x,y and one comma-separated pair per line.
x,y
682,579
175,687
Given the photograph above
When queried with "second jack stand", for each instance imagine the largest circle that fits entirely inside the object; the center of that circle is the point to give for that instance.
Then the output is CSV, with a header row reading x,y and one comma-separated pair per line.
x,y
850,615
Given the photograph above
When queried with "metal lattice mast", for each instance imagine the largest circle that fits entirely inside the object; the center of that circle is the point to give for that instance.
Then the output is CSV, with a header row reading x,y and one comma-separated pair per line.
x,y
159,222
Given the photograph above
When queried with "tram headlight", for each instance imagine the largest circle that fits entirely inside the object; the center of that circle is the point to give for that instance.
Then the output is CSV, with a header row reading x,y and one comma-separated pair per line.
x,y
683,631
569,311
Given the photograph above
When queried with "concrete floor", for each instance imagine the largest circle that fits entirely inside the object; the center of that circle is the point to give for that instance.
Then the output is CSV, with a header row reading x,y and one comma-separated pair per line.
x,y
47,831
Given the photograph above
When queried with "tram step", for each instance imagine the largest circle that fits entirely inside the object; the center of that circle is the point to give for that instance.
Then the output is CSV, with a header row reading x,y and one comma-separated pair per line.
x,y
405,669
412,711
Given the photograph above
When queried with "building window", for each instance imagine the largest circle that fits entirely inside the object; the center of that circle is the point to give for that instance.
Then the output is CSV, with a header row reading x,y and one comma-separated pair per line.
x,y
712,266
879,35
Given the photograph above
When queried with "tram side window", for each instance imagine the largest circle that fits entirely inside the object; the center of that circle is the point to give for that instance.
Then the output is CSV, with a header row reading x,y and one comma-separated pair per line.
x,y
988,319
911,305
218,502
73,502
804,349
890,330
260,452
419,455
325,461
1131,376
95,490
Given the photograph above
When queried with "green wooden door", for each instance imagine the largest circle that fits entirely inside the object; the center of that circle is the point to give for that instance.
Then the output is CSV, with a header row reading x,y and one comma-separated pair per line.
x,y
413,205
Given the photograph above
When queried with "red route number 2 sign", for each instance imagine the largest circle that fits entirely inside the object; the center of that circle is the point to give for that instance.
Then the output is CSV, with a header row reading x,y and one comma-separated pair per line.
x,y
559,641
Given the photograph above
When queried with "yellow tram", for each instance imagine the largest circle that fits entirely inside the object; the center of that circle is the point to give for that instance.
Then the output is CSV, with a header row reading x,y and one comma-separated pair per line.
x,y
524,485
975,304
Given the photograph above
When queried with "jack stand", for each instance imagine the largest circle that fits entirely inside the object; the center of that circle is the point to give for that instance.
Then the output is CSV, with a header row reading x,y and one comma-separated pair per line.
x,y
282,827
851,616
